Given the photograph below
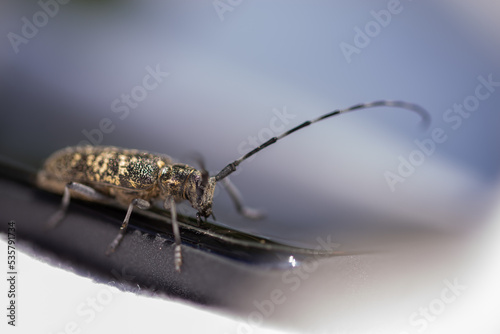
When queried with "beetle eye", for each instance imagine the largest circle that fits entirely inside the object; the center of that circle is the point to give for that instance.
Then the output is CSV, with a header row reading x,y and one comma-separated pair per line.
x,y
200,189
203,171
204,178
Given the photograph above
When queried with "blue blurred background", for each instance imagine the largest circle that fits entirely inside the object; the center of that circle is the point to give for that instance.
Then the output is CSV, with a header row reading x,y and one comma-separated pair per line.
x,y
233,66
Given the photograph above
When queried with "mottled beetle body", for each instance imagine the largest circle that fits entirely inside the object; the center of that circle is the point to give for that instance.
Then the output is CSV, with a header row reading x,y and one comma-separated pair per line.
x,y
108,174
134,178
126,174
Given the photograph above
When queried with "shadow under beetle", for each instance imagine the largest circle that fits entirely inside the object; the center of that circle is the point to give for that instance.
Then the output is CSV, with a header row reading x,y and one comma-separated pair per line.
x,y
134,178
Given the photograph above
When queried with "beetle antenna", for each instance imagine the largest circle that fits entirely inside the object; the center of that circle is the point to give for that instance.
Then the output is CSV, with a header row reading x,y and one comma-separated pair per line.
x,y
230,168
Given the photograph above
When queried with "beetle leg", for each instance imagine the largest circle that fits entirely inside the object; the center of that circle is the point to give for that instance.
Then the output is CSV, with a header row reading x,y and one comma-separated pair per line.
x,y
82,189
169,204
238,201
141,204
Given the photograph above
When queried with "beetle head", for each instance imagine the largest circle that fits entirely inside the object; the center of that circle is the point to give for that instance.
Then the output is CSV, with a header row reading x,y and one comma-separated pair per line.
x,y
187,183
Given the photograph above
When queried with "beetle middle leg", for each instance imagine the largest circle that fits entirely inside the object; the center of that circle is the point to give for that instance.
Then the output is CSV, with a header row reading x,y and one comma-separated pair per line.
x,y
81,189
141,204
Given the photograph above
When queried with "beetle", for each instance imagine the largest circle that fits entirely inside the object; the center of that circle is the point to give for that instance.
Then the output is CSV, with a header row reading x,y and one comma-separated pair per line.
x,y
133,178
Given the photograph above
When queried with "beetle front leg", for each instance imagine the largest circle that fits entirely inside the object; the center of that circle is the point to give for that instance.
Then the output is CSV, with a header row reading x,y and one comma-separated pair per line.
x,y
237,199
169,204
141,204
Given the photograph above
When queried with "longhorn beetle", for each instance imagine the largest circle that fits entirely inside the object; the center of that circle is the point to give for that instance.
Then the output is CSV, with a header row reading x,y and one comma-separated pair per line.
x,y
133,178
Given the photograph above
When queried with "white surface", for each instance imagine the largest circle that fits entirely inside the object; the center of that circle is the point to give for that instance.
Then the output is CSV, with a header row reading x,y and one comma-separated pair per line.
x,y
52,300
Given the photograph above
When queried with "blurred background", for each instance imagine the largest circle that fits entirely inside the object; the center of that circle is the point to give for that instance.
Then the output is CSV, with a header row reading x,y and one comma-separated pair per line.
x,y
219,77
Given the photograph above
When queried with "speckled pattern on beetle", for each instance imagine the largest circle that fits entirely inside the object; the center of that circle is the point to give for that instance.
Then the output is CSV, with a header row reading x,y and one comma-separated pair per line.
x,y
125,174
134,178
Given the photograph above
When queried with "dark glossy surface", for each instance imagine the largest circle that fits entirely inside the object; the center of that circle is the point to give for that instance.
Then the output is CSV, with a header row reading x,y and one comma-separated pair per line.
x,y
226,270
211,251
